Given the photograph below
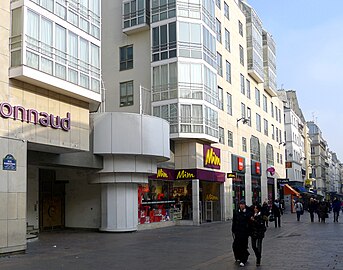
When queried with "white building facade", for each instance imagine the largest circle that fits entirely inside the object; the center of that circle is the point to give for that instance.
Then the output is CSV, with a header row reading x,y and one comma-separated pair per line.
x,y
208,68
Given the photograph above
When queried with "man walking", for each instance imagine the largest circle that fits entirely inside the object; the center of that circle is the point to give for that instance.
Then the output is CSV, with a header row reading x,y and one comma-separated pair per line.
x,y
299,209
240,232
336,207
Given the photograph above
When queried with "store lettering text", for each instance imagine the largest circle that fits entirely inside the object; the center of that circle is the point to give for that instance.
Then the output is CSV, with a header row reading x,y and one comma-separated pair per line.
x,y
161,174
211,197
33,116
184,175
212,158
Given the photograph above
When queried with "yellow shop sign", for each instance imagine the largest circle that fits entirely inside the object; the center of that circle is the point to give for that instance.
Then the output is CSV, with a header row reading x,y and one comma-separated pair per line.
x,y
211,158
185,175
161,174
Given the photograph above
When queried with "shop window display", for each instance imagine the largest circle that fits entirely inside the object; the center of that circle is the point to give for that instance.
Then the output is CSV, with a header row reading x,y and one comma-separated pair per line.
x,y
160,201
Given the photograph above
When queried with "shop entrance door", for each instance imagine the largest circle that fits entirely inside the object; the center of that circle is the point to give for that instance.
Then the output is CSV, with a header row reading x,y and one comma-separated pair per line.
x,y
208,211
51,201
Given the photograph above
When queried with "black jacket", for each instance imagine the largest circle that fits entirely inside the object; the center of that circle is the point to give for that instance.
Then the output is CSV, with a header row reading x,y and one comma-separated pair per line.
x,y
240,223
257,226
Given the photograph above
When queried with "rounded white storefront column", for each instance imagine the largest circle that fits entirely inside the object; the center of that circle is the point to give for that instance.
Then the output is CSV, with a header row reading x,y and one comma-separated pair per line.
x,y
119,207
131,146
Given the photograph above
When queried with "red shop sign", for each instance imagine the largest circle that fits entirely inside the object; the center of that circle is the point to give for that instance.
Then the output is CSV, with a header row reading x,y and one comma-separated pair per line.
x,y
240,163
258,167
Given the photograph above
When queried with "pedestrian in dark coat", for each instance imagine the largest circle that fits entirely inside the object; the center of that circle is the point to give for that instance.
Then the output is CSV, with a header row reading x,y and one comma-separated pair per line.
x,y
323,211
312,209
336,207
241,231
265,212
257,233
277,212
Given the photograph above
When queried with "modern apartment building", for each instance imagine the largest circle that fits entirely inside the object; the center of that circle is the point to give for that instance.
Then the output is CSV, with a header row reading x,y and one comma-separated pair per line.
x,y
208,68
319,158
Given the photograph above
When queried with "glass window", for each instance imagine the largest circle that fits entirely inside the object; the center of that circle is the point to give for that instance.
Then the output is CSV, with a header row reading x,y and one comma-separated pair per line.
x,y
241,55
248,89
249,116
242,110
255,148
228,72
258,122
218,4
242,84
230,138
221,135
219,64
244,144
257,97
270,155
265,122
229,103
220,98
227,40
219,31
226,11
240,28
126,57
126,94
272,108
265,105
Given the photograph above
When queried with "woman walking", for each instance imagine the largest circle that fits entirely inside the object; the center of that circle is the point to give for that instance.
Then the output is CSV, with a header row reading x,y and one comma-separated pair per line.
x,y
257,233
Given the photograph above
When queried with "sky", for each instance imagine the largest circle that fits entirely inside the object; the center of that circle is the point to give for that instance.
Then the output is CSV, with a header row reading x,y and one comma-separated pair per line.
x,y
309,52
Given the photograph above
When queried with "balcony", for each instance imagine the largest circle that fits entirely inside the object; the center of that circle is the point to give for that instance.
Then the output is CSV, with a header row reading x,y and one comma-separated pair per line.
x,y
136,16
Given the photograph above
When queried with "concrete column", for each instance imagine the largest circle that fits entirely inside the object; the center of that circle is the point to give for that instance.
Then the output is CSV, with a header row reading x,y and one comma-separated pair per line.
x,y
196,201
119,207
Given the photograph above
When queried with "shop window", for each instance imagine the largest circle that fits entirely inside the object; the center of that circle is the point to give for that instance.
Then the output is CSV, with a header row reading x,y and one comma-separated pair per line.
x,y
160,201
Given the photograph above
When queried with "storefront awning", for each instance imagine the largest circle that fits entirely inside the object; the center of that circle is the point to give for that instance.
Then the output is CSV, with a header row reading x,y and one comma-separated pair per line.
x,y
301,189
288,190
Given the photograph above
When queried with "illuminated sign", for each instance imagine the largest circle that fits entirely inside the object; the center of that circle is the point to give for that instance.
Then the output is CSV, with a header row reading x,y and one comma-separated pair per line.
x,y
33,116
211,197
231,175
258,167
240,163
211,157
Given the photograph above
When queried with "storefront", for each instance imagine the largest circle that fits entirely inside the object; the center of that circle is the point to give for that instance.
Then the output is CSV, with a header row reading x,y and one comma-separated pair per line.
x,y
271,189
256,182
173,195
238,183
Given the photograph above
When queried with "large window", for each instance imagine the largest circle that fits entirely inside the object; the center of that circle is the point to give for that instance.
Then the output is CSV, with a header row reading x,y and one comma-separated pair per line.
x,y
265,104
164,82
265,127
135,12
126,57
244,144
189,40
226,11
162,9
164,42
248,89
227,40
219,31
241,55
258,122
126,94
219,64
230,138
228,72
229,103
270,155
168,112
54,50
255,148
257,97
242,84
221,135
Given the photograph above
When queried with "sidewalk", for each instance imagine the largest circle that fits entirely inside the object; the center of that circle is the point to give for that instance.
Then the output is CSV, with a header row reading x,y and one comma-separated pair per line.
x,y
296,245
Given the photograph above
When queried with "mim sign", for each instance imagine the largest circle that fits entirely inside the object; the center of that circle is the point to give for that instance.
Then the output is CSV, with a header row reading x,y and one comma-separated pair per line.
x,y
33,116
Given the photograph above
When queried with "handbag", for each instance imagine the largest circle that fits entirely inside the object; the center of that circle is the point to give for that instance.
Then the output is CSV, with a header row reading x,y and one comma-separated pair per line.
x,y
271,217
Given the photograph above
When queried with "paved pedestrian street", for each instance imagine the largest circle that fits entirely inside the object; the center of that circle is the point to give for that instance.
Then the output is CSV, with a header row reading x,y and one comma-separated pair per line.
x,y
296,245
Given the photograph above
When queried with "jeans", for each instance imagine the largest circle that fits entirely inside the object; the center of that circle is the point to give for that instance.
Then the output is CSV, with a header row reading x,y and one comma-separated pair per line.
x,y
298,215
335,216
277,221
312,216
256,244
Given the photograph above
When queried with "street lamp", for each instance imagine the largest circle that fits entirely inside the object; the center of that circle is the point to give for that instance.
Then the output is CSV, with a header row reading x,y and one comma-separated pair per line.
x,y
243,119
